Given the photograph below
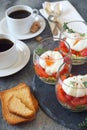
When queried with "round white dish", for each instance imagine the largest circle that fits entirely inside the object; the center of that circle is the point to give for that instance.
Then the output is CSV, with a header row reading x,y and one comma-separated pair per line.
x,y
23,57
4,29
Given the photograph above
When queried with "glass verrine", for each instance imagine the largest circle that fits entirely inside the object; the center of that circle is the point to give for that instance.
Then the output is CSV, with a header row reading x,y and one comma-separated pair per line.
x,y
75,33
48,57
71,89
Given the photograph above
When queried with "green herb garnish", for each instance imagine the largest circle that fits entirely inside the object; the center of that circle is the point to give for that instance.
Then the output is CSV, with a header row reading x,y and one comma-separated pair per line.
x,y
65,27
82,107
40,51
83,124
73,83
82,34
85,84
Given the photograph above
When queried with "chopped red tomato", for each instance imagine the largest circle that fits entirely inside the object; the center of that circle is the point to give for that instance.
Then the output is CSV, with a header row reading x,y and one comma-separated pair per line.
x,y
75,52
77,101
65,70
63,47
73,102
68,97
84,52
40,71
61,94
56,49
63,77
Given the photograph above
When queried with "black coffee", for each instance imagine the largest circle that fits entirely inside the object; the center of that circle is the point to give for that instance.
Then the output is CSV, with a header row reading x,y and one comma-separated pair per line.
x,y
5,44
19,14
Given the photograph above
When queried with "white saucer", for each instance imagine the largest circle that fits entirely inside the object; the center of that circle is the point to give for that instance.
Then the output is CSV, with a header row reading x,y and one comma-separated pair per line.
x,y
4,29
23,57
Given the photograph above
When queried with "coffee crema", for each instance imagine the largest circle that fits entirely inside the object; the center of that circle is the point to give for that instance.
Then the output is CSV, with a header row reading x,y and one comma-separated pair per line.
x,y
5,44
19,14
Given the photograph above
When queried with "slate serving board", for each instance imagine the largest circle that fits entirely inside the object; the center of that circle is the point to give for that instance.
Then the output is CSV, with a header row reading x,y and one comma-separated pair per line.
x,y
45,94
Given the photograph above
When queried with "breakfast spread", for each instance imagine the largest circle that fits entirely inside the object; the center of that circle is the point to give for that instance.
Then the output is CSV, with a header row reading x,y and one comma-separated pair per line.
x,y
72,92
18,104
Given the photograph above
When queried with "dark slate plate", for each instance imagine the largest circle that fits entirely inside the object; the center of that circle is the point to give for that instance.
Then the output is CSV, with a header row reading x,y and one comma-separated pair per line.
x,y
47,99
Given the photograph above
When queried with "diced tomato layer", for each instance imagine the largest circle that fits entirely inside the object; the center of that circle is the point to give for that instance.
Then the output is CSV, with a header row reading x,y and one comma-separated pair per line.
x,y
79,101
65,70
84,52
75,52
56,49
42,73
61,94
63,47
71,101
64,76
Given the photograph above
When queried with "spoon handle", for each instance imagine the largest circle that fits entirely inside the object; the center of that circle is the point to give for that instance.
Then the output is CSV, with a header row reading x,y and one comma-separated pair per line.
x,y
55,30
59,25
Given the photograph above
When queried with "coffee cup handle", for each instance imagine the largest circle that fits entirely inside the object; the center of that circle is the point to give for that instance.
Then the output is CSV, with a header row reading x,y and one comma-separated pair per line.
x,y
35,12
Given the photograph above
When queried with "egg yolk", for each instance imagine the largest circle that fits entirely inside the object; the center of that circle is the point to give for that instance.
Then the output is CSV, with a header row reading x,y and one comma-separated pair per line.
x,y
49,60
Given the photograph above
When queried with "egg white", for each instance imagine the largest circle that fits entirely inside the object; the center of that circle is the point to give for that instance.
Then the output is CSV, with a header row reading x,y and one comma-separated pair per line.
x,y
82,44
58,61
75,91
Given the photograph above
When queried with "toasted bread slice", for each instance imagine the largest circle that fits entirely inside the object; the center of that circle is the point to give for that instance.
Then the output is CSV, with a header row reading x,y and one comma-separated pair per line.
x,y
24,94
20,108
35,102
21,91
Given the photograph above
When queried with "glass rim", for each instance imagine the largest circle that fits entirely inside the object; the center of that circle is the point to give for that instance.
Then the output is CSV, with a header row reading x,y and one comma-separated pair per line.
x,y
73,21
59,39
59,78
70,86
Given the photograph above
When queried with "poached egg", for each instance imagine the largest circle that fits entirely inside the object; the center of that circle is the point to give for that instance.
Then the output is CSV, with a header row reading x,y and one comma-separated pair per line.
x,y
74,86
77,44
51,61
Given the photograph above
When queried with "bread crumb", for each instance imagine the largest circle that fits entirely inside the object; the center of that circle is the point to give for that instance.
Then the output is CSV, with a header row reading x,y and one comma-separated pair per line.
x,y
38,38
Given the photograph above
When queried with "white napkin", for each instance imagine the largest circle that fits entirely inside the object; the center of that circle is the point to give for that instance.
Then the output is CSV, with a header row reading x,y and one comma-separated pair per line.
x,y
69,13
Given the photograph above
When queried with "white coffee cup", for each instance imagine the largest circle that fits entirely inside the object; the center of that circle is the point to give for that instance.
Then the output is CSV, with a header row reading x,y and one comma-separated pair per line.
x,y
20,25
8,53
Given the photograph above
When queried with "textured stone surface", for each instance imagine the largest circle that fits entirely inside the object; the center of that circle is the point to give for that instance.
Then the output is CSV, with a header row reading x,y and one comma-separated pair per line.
x,y
46,96
42,121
